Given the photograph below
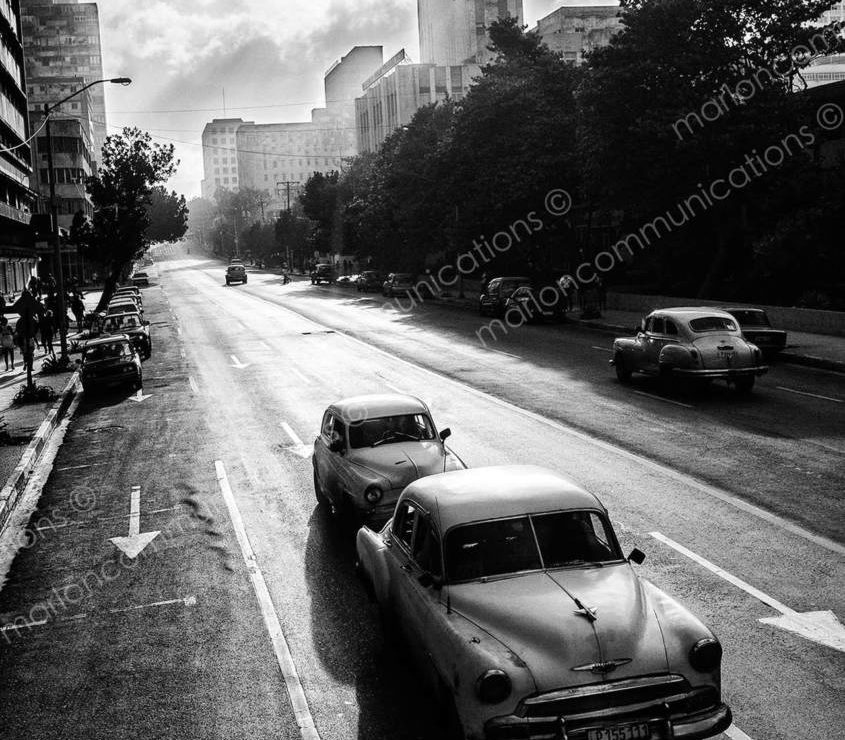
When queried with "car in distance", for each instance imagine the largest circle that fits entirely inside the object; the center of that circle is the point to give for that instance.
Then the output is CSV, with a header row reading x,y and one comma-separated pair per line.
x,y
134,327
495,295
322,273
371,447
756,327
369,280
399,283
110,361
694,343
509,586
141,279
236,273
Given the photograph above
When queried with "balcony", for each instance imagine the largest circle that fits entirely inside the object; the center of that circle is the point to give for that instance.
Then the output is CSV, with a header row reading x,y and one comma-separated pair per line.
x,y
15,214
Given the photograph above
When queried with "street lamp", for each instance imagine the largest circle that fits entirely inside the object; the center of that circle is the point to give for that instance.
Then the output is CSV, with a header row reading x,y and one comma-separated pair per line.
x,y
61,310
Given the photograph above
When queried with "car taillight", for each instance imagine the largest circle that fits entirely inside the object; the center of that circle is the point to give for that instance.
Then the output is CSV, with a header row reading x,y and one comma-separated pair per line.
x,y
493,686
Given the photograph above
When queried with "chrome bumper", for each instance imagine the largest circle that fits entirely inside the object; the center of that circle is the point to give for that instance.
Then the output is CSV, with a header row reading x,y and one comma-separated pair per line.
x,y
725,373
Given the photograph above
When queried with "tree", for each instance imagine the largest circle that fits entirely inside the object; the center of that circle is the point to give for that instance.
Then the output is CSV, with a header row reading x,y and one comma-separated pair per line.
x,y
168,215
122,194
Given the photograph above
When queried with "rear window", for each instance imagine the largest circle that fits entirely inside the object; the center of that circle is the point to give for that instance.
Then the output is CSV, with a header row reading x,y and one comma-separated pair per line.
x,y
712,323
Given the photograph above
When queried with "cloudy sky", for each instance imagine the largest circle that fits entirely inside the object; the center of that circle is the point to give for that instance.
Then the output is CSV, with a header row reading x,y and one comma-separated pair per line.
x,y
268,55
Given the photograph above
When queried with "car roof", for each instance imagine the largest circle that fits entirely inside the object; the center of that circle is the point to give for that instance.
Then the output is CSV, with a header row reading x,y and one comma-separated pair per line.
x,y
511,277
377,405
110,339
745,309
692,312
139,274
124,313
495,492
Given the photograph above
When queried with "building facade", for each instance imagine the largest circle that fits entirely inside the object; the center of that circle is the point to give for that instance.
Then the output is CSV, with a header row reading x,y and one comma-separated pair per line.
x,y
18,259
574,31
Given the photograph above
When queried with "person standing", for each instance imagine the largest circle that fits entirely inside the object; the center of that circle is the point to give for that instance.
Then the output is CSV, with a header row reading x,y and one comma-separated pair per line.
x,y
7,342
77,305
48,329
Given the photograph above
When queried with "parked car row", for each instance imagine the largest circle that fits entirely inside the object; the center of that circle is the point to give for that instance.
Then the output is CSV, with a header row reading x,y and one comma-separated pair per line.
x,y
510,589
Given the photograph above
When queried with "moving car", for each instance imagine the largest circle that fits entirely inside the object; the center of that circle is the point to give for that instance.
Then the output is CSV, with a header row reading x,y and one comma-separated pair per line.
x,y
756,328
236,273
510,589
696,343
527,301
398,283
322,273
369,280
141,279
494,297
133,326
110,361
371,447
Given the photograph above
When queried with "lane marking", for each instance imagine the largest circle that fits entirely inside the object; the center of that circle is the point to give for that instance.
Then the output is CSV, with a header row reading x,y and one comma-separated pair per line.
x,y
264,345
92,522
395,389
292,434
603,349
79,467
237,363
734,733
193,384
665,400
302,376
502,352
811,395
298,701
665,470
179,330
187,601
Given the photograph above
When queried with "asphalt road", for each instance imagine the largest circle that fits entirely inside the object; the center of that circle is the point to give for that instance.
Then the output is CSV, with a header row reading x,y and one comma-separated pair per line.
x,y
175,644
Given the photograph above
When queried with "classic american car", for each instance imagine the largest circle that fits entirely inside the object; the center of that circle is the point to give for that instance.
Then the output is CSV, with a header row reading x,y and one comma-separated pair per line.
x,y
495,294
526,300
756,328
141,279
398,283
696,343
369,280
133,326
110,361
323,273
370,448
510,589
236,273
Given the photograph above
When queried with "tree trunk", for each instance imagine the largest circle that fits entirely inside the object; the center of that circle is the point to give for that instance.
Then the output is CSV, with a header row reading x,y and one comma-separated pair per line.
x,y
109,287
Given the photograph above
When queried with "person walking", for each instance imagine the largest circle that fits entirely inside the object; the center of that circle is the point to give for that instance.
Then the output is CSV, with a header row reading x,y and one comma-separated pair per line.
x,y
47,328
77,305
7,342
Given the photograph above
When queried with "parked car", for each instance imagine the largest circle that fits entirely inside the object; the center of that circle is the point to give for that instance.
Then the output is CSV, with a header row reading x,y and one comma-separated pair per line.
x,y
322,273
494,297
128,298
141,279
124,305
511,591
133,326
347,280
695,343
130,291
110,361
526,300
370,447
398,283
756,327
236,273
369,280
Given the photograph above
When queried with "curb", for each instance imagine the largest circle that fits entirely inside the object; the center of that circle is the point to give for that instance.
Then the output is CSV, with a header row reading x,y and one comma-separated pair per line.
x,y
17,481
822,363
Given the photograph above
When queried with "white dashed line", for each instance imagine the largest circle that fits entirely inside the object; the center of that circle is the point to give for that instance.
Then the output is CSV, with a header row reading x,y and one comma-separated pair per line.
x,y
811,395
193,384
502,352
665,400
734,733
292,434
602,349
304,378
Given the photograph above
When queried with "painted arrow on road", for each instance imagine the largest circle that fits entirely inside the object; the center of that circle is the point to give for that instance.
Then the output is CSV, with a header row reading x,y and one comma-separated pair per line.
x,y
237,363
822,627
134,544
139,396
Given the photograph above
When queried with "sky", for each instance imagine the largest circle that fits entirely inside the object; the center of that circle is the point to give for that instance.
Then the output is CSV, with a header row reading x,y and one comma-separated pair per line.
x,y
267,57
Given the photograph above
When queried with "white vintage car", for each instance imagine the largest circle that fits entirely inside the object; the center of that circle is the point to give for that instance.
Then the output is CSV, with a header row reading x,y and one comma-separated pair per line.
x,y
696,343
371,447
511,591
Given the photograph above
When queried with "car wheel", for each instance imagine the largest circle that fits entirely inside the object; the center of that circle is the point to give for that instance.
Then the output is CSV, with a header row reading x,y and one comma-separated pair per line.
x,y
228,283
322,499
245,281
744,385
623,372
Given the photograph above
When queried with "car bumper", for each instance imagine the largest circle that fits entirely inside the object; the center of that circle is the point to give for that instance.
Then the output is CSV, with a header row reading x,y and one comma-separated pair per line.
x,y
721,373
110,381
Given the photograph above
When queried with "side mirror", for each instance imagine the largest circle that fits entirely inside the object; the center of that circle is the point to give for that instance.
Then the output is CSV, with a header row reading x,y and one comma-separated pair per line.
x,y
445,434
636,556
145,322
427,580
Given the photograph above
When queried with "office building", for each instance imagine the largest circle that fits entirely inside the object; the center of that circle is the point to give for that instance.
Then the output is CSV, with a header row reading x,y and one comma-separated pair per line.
x,y
574,31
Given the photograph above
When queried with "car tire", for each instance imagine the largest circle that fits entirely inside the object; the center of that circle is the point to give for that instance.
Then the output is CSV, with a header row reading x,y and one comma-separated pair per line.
x,y
319,493
245,281
744,386
623,372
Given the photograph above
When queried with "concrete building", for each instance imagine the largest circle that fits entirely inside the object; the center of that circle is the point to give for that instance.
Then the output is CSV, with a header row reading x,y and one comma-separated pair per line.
x,y
573,31
220,155
825,70
454,32
62,39
18,258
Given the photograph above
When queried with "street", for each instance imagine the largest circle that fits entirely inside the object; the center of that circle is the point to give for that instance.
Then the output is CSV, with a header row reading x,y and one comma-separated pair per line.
x,y
242,617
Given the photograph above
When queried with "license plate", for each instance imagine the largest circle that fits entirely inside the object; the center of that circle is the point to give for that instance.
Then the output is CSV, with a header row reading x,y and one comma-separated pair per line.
x,y
725,354
640,731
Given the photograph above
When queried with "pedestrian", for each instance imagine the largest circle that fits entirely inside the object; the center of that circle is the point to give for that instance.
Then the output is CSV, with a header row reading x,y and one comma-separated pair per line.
x,y
77,305
7,342
47,329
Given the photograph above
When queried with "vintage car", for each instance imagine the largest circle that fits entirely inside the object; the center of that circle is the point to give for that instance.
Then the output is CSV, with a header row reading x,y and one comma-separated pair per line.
x,y
695,343
369,280
124,304
236,273
110,361
496,293
510,590
527,301
323,273
756,328
398,283
134,327
370,448
131,291
141,279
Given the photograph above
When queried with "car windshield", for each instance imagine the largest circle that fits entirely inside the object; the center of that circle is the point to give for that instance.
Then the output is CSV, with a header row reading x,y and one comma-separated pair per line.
x,y
390,429
712,323
526,543
122,321
751,318
108,351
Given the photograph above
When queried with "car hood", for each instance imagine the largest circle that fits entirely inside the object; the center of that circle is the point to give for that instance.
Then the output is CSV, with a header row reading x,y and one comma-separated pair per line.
x,y
401,463
535,618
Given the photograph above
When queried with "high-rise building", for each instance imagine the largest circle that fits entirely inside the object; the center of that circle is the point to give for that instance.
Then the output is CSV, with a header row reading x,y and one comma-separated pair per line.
x,y
454,32
62,39
573,31
18,259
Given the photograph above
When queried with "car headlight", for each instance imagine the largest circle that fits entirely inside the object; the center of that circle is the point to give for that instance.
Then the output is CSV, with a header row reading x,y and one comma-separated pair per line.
x,y
493,686
706,655
373,494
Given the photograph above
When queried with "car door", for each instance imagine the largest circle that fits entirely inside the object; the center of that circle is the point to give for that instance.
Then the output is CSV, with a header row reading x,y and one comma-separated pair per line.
x,y
654,341
324,458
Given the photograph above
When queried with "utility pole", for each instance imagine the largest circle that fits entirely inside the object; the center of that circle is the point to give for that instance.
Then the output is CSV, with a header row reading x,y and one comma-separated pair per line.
x,y
287,184
61,309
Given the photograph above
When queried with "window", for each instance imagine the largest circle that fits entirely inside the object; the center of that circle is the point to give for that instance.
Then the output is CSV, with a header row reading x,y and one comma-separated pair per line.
x,y
427,547
391,429
656,325
403,523
573,538
491,549
712,323
671,329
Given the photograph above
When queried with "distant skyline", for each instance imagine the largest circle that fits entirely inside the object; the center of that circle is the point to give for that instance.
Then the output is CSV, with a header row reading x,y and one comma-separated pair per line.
x,y
270,62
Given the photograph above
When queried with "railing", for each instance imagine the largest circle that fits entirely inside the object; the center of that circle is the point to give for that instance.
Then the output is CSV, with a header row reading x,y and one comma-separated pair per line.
x,y
16,214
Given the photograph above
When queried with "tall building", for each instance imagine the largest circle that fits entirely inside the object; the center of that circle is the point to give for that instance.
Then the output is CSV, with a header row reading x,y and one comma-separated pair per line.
x,y
18,259
574,31
62,39
454,32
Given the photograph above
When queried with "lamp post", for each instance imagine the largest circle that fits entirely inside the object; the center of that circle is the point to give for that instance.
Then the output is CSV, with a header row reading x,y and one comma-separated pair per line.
x,y
61,309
